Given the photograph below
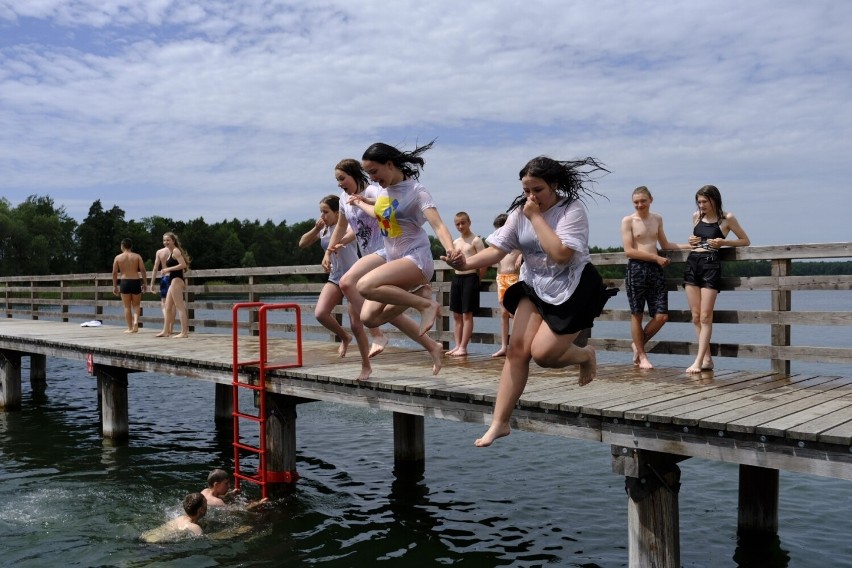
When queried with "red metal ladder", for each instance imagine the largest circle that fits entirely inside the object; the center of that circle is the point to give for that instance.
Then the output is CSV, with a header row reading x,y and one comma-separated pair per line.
x,y
259,388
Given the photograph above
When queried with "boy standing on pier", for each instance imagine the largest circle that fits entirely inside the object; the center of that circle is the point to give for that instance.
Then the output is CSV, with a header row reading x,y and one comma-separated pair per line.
x,y
464,291
645,281
508,270
132,284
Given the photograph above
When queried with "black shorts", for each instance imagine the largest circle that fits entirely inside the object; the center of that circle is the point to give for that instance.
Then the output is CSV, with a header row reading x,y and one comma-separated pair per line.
x,y
575,314
464,293
703,269
129,286
646,283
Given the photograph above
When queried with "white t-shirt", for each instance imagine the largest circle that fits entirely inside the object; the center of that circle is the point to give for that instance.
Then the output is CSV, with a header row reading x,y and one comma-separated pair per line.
x,y
342,260
363,224
553,282
399,210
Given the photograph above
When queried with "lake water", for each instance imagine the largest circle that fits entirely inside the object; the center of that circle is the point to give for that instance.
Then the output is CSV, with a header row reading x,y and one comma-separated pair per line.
x,y
67,498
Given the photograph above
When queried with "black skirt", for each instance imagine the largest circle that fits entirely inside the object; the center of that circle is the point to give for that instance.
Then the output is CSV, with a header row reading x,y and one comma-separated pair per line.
x,y
577,313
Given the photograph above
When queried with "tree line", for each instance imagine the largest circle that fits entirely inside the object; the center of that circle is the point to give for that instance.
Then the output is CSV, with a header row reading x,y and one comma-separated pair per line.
x,y
37,237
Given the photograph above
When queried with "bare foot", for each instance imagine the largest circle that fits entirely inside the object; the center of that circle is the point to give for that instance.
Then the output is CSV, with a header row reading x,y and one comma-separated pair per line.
x,y
452,351
129,331
436,351
694,369
635,354
494,432
644,363
428,317
589,369
500,353
458,352
707,365
344,345
380,341
180,336
366,371
162,334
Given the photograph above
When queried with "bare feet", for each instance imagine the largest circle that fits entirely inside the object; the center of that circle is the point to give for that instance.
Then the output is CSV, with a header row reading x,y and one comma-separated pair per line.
x,y
380,341
500,353
589,369
180,335
366,371
494,432
452,351
707,365
694,369
436,351
635,354
644,363
135,328
458,352
129,331
428,316
162,334
344,345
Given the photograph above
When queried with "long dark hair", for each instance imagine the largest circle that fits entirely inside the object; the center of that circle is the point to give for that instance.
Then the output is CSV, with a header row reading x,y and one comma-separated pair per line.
x,y
571,177
407,162
711,192
352,167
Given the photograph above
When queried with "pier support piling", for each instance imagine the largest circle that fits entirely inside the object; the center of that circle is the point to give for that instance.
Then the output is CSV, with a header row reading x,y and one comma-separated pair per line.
x,y
112,383
652,481
10,380
409,445
281,443
758,502
223,405
38,375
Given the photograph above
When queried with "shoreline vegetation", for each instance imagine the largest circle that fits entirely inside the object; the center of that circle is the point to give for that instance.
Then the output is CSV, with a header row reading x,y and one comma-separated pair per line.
x,y
41,239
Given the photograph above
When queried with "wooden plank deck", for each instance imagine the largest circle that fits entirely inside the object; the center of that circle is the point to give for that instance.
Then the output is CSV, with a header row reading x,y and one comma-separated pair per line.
x,y
798,423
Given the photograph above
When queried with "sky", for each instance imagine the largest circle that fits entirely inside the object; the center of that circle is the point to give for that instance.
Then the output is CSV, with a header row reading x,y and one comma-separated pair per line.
x,y
227,109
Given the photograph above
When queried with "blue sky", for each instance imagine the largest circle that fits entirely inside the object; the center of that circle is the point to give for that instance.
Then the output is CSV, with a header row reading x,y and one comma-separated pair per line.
x,y
222,109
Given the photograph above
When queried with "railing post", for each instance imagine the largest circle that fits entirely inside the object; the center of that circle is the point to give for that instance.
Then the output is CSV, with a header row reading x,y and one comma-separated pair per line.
x,y
442,323
63,305
99,309
33,302
190,303
253,314
781,302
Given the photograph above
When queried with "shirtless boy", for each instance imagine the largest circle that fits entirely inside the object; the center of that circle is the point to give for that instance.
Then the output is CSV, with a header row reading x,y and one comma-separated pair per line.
x,y
132,283
645,281
508,270
464,291
195,507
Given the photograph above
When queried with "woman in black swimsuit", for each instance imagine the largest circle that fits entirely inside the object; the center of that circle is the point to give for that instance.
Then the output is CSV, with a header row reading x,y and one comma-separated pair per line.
x,y
703,270
177,262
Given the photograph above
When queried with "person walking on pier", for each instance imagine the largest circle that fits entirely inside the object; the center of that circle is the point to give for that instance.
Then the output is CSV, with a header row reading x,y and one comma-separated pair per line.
x,y
132,283
703,272
559,293
160,259
352,180
343,259
645,281
176,264
397,277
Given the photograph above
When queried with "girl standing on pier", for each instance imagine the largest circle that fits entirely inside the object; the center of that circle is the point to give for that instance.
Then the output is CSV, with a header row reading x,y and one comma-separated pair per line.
x,y
176,264
344,257
560,292
711,226
397,277
365,231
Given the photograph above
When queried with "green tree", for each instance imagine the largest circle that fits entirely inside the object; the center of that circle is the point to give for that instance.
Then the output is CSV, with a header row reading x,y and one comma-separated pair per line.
x,y
98,238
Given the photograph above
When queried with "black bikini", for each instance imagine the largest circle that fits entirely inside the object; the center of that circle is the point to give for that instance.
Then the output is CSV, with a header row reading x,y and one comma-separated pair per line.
x,y
176,273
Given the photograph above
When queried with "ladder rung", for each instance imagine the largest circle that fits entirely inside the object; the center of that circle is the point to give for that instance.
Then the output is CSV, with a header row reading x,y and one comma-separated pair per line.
x,y
247,386
251,417
246,447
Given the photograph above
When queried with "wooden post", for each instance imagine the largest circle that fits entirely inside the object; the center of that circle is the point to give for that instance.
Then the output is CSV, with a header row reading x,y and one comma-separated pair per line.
x,y
38,375
442,322
781,302
10,380
281,443
114,405
190,304
652,480
409,446
224,405
758,502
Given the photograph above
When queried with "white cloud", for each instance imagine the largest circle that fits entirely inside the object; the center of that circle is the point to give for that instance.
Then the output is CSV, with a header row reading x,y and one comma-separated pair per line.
x,y
240,109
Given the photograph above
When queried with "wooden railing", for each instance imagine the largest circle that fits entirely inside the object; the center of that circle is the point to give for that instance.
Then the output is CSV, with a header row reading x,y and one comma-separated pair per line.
x,y
211,294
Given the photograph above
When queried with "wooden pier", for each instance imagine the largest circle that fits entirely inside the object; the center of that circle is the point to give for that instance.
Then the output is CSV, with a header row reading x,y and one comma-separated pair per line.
x,y
763,421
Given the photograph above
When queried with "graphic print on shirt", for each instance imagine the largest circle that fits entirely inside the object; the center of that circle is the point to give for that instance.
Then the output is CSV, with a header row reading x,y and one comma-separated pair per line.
x,y
386,214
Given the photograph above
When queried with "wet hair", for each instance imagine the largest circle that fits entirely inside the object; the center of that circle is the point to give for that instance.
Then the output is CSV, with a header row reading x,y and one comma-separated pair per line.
x,y
643,189
217,476
193,503
409,163
570,178
500,220
353,168
711,192
176,241
333,202
462,215
127,244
